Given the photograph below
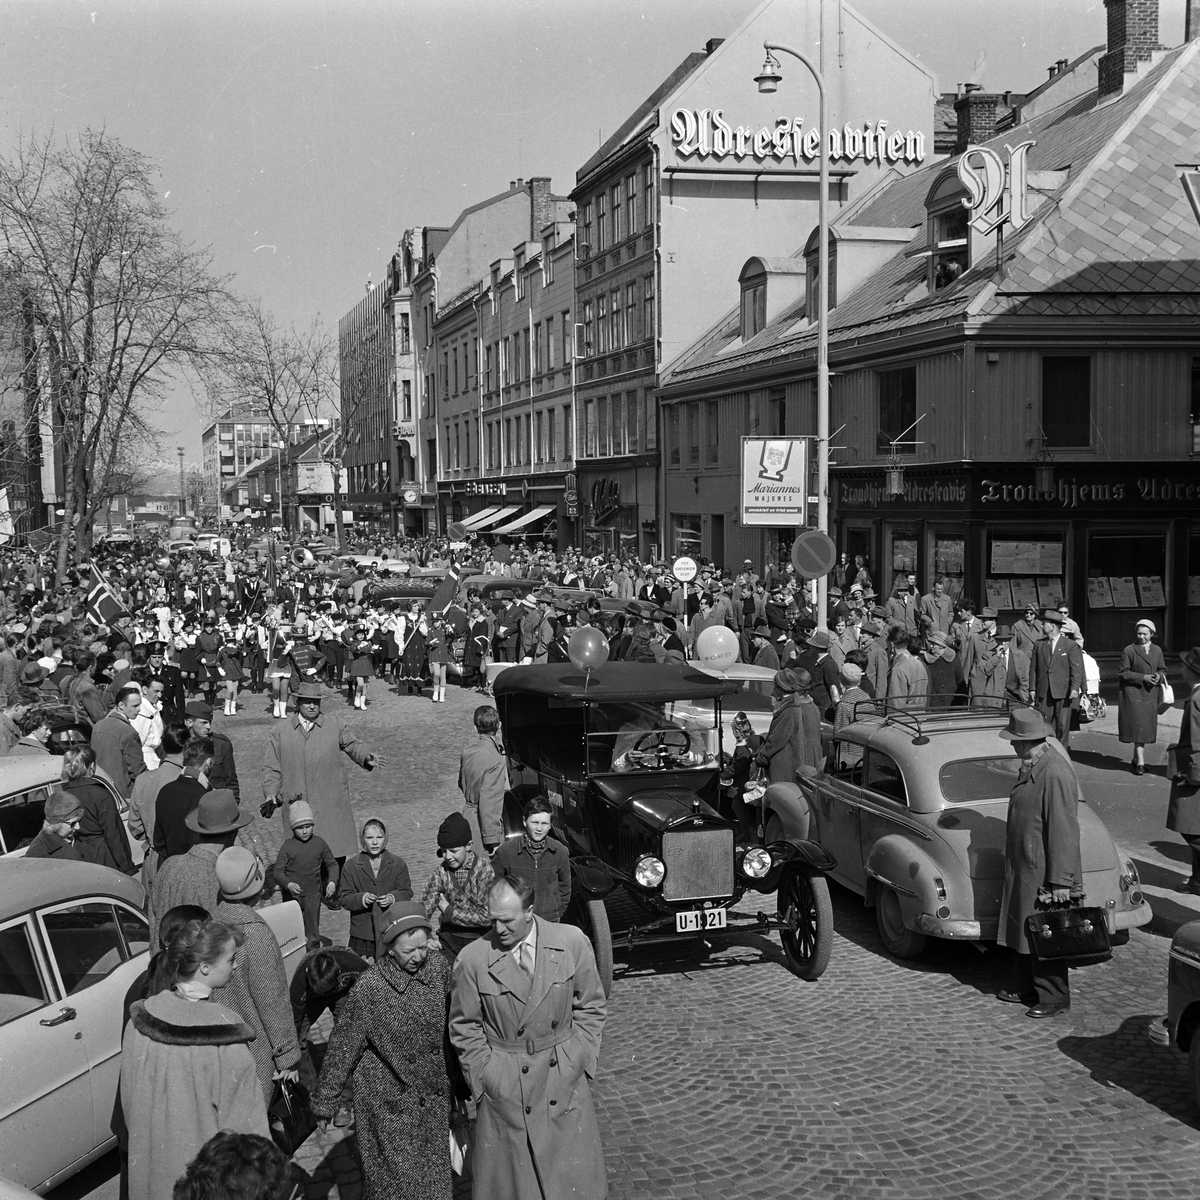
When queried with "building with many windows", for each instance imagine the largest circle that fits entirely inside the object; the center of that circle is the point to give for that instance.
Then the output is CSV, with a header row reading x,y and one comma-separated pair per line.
x,y
235,440
705,167
1018,402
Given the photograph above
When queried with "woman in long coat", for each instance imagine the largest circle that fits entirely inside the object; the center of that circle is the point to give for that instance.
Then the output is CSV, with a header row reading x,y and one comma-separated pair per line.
x,y
1142,671
391,1038
1042,861
794,739
1183,809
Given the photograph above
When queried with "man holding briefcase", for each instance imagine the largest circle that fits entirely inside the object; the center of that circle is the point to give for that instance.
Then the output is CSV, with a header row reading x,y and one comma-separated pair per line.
x,y
1042,864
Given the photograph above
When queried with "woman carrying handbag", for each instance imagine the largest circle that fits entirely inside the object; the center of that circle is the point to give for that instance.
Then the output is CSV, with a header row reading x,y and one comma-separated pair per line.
x,y
1143,677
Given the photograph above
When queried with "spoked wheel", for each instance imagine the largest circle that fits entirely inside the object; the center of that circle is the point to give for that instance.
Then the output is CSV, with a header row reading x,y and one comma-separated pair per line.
x,y
803,902
897,940
593,920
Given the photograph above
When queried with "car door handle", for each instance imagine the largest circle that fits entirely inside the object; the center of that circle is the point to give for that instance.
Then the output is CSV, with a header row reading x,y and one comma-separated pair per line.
x,y
64,1015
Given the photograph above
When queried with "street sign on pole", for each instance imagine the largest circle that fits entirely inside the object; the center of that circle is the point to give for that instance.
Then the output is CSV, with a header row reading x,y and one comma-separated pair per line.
x,y
684,569
813,554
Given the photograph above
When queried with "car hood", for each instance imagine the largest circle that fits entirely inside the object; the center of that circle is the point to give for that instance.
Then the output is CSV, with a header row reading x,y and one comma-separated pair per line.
x,y
656,806
976,833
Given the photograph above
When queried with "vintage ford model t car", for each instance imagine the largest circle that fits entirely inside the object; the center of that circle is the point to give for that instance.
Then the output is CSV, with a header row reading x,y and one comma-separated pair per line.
x,y
912,806
630,758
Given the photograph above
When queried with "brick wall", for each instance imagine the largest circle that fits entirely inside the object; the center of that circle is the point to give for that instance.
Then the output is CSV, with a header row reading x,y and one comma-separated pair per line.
x,y
976,112
542,209
1132,39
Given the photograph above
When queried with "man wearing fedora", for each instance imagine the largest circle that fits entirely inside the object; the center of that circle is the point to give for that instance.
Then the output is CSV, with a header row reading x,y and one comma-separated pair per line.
x,y
191,878
303,757
1042,862
794,738
1057,675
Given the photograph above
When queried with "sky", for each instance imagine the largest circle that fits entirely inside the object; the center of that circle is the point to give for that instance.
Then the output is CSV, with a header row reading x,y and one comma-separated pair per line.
x,y
297,139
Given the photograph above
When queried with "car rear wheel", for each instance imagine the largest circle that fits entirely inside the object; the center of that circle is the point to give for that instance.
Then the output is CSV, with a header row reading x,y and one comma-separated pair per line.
x,y
1194,1066
897,940
593,920
803,902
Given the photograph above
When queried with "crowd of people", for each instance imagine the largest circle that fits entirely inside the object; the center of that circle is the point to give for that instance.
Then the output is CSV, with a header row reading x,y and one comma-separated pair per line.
x,y
430,1032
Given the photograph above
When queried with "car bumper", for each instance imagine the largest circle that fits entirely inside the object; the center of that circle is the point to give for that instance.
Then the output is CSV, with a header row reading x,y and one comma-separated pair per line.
x,y
1132,918
962,931
1159,1031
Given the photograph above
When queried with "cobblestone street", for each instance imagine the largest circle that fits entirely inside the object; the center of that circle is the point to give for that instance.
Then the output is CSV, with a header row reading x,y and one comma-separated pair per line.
x,y
726,1075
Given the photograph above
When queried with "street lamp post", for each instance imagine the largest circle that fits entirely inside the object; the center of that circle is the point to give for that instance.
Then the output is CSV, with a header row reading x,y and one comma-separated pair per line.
x,y
768,81
182,484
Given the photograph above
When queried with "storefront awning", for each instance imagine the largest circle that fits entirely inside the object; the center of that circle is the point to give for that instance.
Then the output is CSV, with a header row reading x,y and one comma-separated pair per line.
x,y
537,514
497,515
473,520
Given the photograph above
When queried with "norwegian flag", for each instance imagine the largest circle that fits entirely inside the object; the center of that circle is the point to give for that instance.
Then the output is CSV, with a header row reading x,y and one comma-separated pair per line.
x,y
103,605
443,596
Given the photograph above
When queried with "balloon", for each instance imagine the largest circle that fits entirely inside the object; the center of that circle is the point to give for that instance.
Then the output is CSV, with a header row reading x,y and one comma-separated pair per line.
x,y
717,648
588,648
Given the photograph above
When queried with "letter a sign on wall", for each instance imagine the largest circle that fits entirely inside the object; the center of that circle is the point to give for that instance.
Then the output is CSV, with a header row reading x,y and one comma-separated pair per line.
x,y
996,191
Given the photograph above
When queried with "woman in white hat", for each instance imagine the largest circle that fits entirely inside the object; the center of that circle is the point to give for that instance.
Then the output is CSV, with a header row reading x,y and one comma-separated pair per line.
x,y
1143,672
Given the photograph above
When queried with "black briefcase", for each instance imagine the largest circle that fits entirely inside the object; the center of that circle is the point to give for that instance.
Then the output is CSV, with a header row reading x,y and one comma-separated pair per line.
x,y
1075,936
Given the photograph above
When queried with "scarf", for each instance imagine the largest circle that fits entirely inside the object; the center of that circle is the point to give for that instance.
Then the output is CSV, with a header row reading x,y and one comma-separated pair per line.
x,y
535,849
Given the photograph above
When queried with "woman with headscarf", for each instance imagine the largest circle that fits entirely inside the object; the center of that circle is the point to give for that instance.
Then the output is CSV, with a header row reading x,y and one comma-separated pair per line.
x,y
1143,672
391,1039
101,834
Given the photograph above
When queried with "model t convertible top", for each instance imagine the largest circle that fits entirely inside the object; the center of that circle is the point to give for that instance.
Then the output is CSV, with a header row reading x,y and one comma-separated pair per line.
x,y
630,757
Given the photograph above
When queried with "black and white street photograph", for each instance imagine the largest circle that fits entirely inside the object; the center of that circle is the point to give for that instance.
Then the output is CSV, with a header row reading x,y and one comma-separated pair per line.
x,y
600,599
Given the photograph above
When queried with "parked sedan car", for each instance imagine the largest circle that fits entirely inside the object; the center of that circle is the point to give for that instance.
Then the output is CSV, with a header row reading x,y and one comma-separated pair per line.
x,y
630,758
1180,1028
912,808
74,946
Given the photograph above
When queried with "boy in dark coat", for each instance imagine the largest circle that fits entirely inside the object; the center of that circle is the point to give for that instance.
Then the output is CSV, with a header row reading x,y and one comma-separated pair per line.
x,y
305,868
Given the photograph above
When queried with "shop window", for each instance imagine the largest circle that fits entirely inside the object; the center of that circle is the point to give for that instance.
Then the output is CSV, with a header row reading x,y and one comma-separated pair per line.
x,y
673,435
903,557
754,309
1195,405
712,430
1066,401
947,551
693,433
897,411
1025,568
1126,581
685,535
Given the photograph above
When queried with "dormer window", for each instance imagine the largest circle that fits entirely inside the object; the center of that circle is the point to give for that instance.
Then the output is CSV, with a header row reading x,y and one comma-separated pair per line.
x,y
754,309
949,241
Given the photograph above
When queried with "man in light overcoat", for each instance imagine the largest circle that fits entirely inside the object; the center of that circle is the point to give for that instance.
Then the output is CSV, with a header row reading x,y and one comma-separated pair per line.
x,y
526,1017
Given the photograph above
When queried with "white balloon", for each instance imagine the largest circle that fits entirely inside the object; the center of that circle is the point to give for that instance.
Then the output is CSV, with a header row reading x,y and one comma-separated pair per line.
x,y
717,648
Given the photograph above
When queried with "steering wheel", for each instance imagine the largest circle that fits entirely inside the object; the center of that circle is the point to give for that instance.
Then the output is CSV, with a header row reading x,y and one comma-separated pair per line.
x,y
664,752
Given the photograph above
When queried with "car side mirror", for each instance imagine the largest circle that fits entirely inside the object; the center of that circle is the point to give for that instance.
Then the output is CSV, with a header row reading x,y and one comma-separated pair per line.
x,y
811,773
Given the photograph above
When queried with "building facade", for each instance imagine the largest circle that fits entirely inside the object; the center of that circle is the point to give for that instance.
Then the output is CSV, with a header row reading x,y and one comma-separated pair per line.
x,y
1017,400
234,441
703,169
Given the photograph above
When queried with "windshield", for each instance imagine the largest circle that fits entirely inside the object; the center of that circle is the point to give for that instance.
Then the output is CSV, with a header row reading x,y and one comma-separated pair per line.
x,y
647,737
973,779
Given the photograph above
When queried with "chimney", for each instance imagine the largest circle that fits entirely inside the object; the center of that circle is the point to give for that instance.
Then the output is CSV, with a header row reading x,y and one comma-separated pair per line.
x,y
541,208
976,112
713,43
1132,39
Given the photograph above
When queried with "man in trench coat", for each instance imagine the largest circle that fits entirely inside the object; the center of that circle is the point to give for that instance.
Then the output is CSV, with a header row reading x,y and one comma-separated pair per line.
x,y
1042,861
303,757
526,1016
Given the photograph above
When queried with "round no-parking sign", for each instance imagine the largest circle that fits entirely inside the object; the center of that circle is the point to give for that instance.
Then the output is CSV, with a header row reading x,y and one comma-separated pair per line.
x,y
813,554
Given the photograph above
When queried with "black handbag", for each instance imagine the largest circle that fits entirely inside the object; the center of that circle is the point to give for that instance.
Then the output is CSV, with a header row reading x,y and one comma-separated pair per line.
x,y
1075,936
290,1117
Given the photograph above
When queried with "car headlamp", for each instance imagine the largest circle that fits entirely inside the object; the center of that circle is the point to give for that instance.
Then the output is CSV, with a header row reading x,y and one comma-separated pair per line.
x,y
649,871
756,862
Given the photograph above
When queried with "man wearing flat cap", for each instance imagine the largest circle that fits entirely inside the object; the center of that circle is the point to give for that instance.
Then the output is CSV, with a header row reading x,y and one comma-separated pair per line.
x,y
303,758
1042,861
1057,675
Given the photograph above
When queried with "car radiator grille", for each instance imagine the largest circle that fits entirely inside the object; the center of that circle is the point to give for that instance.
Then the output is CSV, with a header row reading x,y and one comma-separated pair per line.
x,y
699,864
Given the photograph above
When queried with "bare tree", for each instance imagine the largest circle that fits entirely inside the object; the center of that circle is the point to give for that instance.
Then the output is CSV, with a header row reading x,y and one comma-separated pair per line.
x,y
117,304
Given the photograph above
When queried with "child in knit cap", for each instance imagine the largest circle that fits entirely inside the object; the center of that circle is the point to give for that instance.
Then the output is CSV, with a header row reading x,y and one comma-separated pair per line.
x,y
306,868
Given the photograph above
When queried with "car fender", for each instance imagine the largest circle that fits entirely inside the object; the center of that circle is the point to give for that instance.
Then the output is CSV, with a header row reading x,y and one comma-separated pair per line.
x,y
895,861
791,805
591,877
